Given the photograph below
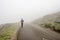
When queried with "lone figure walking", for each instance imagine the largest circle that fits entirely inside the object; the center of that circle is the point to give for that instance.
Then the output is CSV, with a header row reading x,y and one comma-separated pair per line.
x,y
22,21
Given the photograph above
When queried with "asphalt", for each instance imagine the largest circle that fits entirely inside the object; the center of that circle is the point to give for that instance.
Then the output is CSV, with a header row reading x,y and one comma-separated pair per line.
x,y
34,32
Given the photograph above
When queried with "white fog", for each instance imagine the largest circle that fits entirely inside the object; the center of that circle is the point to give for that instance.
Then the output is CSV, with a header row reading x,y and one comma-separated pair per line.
x,y
14,10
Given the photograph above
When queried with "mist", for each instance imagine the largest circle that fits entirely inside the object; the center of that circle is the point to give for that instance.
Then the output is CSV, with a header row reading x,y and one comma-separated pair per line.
x,y
29,10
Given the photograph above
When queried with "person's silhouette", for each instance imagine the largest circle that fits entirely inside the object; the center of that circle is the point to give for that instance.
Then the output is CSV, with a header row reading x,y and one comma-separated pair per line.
x,y
22,22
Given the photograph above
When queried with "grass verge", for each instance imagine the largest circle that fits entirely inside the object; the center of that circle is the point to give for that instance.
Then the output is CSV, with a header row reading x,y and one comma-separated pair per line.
x,y
8,32
53,26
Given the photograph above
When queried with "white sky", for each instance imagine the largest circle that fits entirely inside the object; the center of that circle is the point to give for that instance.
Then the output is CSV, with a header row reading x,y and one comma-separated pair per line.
x,y
14,10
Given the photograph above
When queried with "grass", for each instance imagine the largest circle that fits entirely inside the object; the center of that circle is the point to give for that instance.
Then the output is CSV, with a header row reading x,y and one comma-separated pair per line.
x,y
53,26
8,32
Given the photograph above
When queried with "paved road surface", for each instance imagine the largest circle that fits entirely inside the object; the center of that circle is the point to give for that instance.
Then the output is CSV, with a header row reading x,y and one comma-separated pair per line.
x,y
34,32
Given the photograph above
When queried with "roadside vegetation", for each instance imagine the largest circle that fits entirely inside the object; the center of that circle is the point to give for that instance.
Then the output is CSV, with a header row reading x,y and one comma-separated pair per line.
x,y
8,32
51,21
53,26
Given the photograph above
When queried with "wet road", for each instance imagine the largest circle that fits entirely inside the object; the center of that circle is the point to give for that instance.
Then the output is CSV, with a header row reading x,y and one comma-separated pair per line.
x,y
33,32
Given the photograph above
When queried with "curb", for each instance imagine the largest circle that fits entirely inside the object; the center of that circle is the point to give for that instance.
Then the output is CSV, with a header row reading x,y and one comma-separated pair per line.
x,y
14,36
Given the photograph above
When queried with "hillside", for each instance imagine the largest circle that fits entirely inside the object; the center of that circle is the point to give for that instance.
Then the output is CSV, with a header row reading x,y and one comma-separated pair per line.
x,y
49,20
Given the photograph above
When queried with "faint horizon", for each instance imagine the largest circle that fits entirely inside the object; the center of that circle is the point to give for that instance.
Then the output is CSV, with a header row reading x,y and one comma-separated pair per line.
x,y
29,10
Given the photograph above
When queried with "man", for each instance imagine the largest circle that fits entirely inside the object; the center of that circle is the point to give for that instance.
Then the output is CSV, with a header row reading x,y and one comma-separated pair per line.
x,y
22,22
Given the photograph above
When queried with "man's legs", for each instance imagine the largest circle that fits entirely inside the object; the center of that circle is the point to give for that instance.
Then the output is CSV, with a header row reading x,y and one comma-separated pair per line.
x,y
21,24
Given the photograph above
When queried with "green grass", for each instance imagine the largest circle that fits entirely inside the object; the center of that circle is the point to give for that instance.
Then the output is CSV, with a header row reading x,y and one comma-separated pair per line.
x,y
8,32
53,26
57,26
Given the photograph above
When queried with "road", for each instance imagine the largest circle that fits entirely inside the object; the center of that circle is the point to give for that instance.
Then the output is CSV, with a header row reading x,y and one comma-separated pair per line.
x,y
34,32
